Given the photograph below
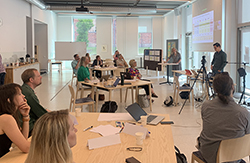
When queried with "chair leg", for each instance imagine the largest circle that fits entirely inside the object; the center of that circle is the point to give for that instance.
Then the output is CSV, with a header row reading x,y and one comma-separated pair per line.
x,y
132,95
126,95
73,109
70,105
177,96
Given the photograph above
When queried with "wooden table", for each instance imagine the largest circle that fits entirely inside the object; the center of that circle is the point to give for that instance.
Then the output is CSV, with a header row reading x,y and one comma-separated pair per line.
x,y
100,86
103,69
158,148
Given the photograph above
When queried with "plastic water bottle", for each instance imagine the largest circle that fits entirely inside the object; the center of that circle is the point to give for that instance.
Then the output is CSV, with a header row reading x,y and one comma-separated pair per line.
x,y
122,79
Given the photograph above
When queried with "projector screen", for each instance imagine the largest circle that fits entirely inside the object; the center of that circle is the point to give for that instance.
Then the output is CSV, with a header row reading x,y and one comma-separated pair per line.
x,y
206,24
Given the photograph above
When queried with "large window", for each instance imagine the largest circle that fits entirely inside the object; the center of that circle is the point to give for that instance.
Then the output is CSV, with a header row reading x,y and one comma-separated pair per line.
x,y
85,31
145,34
114,34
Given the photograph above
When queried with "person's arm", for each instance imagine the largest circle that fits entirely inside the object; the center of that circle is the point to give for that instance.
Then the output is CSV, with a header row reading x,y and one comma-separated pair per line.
x,y
125,63
168,58
94,63
223,60
24,109
10,128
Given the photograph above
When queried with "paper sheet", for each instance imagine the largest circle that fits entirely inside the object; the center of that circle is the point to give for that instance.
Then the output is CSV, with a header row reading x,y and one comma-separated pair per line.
x,y
104,141
114,117
106,130
132,129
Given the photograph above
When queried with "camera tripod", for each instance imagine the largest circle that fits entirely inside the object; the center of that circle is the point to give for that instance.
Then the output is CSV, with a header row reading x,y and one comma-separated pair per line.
x,y
205,79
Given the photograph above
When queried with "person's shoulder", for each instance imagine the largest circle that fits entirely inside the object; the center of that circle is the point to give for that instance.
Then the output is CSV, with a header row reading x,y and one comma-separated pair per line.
x,y
6,118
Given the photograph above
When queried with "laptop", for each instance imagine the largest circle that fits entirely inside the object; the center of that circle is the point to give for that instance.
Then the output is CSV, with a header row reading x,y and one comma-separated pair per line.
x,y
127,75
136,112
114,85
104,77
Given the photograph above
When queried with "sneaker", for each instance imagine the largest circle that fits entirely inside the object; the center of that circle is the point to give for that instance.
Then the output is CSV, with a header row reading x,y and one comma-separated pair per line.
x,y
154,95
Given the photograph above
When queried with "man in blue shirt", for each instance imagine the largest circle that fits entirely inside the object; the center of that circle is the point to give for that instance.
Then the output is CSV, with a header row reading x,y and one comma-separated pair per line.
x,y
75,63
219,60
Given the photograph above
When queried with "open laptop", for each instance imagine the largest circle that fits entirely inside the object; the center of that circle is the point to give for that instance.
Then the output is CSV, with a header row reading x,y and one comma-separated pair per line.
x,y
104,77
136,112
114,85
127,75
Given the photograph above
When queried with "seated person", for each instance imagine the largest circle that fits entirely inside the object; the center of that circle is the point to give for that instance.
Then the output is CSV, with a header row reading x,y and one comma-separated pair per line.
x,y
12,103
222,118
75,64
120,62
135,72
31,79
115,57
98,62
53,136
87,55
83,72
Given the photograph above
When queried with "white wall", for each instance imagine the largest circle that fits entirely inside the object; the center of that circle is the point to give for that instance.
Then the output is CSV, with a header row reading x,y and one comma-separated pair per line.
x,y
13,30
157,33
104,36
64,28
127,37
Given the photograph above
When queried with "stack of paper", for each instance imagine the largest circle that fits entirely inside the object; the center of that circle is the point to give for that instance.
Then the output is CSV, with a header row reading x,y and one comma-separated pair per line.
x,y
106,130
104,141
132,129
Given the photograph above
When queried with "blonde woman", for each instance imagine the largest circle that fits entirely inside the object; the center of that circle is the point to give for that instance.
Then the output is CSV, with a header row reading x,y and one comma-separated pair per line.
x,y
52,137
135,72
83,72
12,102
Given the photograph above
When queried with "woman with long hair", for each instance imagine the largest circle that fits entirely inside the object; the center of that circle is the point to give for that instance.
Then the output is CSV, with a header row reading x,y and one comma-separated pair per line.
x,y
52,137
83,72
12,104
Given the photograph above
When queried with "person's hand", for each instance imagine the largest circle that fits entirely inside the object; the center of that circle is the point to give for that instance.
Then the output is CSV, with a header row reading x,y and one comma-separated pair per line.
x,y
219,70
212,67
24,108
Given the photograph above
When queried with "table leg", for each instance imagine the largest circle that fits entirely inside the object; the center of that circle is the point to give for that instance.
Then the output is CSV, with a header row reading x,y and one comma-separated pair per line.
x,y
120,94
92,94
150,98
97,100
136,94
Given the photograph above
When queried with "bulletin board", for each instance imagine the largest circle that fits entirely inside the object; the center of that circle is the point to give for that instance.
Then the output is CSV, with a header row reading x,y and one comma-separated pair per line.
x,y
151,59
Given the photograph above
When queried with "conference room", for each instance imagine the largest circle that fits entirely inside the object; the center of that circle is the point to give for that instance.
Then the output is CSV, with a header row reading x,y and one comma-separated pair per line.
x,y
146,31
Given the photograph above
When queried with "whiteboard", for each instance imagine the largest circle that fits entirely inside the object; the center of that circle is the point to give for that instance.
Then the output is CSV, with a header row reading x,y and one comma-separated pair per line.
x,y
66,50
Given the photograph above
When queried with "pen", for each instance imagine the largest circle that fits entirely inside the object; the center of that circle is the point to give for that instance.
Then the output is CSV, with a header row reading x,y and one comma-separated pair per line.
x,y
88,128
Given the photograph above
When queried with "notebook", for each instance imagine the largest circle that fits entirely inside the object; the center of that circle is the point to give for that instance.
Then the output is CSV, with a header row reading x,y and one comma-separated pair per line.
x,y
136,112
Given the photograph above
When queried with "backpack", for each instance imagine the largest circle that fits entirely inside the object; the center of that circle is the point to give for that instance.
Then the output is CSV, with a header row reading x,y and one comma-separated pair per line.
x,y
184,94
143,101
180,157
169,101
109,107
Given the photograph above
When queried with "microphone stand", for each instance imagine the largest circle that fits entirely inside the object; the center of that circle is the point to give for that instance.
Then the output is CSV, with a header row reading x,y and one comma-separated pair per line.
x,y
244,81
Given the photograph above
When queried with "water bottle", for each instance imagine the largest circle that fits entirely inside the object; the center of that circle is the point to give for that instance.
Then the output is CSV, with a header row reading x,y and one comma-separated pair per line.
x,y
122,79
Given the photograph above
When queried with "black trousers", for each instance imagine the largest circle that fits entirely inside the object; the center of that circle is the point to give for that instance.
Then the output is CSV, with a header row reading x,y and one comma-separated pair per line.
x,y
146,87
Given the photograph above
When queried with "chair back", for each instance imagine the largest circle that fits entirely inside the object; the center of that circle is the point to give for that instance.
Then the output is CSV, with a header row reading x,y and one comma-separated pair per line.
x,y
234,149
72,92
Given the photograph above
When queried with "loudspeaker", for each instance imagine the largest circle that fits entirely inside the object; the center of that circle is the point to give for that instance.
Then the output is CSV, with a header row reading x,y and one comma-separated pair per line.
x,y
241,72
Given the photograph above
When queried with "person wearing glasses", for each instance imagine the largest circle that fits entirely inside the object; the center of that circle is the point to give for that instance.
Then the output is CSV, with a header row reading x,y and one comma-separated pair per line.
x,y
219,60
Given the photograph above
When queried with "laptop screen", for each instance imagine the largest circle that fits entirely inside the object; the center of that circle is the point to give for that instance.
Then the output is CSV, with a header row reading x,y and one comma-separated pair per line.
x,y
136,111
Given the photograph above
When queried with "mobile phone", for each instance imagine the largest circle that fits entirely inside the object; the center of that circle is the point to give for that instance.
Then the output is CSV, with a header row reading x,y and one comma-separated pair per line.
x,y
132,160
167,122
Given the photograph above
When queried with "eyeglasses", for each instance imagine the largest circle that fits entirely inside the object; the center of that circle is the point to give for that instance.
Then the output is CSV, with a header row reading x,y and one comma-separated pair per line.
x,y
135,149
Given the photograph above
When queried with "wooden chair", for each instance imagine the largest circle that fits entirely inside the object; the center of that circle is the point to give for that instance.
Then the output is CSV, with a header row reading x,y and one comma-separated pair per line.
x,y
178,88
132,93
80,101
72,80
81,88
230,150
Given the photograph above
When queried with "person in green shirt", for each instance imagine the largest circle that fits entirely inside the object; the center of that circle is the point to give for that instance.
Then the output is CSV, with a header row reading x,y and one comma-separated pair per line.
x,y
31,79
83,72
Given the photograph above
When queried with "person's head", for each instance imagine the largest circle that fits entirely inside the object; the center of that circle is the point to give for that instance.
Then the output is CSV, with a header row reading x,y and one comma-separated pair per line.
x,y
84,61
173,50
217,47
98,58
32,77
117,52
223,85
87,55
132,63
53,135
76,56
11,98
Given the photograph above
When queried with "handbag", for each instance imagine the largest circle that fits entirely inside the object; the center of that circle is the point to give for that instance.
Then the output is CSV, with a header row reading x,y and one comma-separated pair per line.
x,y
143,101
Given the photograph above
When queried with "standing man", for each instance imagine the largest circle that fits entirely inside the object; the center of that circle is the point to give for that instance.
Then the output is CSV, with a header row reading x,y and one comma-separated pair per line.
x,y
220,59
31,79
75,63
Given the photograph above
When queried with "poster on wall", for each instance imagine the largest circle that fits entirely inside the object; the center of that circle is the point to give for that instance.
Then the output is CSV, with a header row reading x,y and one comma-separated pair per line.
x,y
152,58
147,57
